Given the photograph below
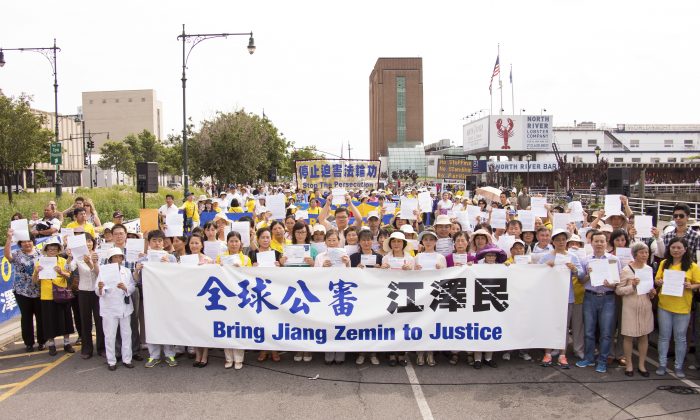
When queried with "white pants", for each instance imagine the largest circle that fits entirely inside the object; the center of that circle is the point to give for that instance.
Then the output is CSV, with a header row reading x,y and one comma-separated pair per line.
x,y
109,325
154,350
234,355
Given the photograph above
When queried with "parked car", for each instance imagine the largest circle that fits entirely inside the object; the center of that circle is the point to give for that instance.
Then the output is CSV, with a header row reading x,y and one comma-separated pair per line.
x,y
174,185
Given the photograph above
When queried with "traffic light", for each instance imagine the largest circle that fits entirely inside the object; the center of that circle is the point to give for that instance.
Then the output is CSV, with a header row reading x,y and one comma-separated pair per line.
x,y
87,161
91,144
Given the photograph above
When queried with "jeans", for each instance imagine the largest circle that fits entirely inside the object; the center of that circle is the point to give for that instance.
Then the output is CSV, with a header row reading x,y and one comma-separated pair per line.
x,y
598,313
678,324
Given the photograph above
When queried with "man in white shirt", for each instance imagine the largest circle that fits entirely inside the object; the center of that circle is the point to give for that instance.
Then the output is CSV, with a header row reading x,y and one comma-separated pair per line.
x,y
168,207
48,226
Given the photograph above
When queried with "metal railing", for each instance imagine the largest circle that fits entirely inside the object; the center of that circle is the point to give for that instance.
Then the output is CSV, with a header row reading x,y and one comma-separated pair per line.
x,y
664,208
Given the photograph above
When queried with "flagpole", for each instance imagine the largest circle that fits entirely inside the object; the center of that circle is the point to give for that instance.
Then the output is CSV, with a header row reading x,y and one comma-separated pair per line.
x,y
512,94
500,83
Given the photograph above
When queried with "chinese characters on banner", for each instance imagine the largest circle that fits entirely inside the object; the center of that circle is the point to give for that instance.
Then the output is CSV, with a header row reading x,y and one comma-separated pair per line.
x,y
345,173
480,308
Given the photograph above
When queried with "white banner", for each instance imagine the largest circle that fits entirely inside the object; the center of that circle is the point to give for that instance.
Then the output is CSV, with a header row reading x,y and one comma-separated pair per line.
x,y
479,307
522,166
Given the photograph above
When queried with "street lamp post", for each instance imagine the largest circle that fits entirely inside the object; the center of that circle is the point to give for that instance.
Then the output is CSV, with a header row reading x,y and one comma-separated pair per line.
x,y
528,157
196,39
50,54
597,151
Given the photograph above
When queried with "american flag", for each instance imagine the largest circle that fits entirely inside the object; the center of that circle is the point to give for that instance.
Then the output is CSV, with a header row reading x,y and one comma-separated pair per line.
x,y
496,72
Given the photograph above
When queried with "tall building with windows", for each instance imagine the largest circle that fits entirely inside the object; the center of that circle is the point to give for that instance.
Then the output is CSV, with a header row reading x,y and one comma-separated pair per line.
x,y
395,104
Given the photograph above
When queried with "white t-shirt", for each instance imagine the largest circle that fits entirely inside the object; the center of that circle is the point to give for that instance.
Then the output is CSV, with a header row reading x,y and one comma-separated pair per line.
x,y
164,210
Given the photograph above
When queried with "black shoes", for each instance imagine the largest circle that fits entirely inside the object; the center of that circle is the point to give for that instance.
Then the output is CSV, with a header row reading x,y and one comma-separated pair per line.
x,y
52,351
112,367
29,349
128,365
68,348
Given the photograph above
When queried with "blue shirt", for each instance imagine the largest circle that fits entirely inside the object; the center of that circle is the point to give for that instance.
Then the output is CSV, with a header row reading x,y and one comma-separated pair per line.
x,y
598,289
575,261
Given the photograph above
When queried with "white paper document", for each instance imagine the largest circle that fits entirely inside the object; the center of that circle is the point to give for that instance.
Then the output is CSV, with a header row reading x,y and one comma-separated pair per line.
x,y
335,255
603,270
266,259
561,220
505,242
275,204
674,283
352,249
174,225
408,206
189,260
537,205
134,247
231,260
212,249
460,258
389,208
576,211
427,261
425,202
301,215
522,259
613,205
368,260
20,230
561,259
624,255
338,196
156,255
527,218
48,265
646,280
109,275
396,263
243,229
498,218
78,246
643,225
296,253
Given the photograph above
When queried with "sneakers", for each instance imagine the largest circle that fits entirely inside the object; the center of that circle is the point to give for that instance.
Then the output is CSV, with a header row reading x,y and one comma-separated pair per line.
x,y
680,374
661,371
307,357
52,351
373,359
360,359
151,362
298,356
506,355
562,362
420,360
546,360
171,361
431,359
583,363
601,368
525,355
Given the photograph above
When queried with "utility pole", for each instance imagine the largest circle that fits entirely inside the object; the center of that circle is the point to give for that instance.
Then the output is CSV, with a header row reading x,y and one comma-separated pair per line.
x,y
349,148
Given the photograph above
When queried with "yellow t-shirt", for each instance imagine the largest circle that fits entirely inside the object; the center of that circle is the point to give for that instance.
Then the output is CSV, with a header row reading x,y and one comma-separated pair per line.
x,y
244,259
279,247
191,211
315,210
46,286
87,227
235,209
250,206
676,304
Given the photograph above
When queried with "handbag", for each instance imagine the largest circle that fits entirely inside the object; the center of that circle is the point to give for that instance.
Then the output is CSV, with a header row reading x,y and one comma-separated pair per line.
x,y
62,294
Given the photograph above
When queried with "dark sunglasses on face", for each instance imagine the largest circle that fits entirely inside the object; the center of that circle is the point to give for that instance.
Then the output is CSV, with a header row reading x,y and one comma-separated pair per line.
x,y
679,216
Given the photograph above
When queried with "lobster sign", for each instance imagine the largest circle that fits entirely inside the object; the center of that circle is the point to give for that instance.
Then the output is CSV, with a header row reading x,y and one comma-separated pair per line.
x,y
505,132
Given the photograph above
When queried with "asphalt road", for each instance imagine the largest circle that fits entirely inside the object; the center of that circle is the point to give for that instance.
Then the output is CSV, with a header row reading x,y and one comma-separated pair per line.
x,y
37,385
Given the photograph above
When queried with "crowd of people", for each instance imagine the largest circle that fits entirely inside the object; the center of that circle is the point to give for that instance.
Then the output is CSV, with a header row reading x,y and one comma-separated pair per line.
x,y
603,321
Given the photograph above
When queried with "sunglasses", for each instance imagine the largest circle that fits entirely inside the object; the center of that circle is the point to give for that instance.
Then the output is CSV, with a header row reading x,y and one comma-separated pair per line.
x,y
679,216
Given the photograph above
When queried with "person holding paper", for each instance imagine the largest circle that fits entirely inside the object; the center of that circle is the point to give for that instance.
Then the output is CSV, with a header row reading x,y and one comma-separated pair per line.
x,y
195,246
48,226
445,244
89,304
460,255
598,309
673,314
366,253
480,239
559,240
544,239
155,240
618,245
278,240
27,293
301,235
116,307
212,235
637,317
80,222
443,205
342,216
433,260
234,248
55,317
490,254
575,245
681,215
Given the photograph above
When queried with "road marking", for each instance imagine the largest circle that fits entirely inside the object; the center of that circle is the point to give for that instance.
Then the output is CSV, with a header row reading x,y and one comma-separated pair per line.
x,y
12,356
34,377
417,392
669,371
8,385
41,365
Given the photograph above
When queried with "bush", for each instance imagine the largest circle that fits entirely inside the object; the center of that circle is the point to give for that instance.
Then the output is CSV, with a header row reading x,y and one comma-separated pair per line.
x,y
107,200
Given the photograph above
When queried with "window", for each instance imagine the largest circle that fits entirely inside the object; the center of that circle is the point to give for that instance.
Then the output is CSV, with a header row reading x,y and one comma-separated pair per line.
x,y
576,143
634,143
636,160
655,160
592,142
618,160
671,160
668,143
400,109
577,159
688,143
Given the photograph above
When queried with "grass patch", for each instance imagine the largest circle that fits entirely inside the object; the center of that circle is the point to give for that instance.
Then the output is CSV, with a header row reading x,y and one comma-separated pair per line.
x,y
107,200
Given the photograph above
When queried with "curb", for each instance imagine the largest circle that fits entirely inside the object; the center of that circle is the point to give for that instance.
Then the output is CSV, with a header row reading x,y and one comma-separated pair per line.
x,y
13,332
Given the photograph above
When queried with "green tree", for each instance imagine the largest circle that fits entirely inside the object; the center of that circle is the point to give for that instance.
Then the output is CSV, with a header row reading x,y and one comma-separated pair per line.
x,y
23,140
171,157
237,147
305,153
117,155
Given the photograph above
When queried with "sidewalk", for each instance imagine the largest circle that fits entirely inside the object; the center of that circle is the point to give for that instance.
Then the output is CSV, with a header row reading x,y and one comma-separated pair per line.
x,y
10,331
